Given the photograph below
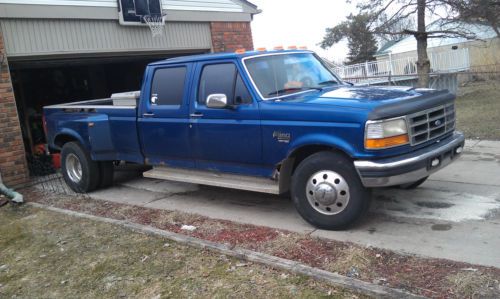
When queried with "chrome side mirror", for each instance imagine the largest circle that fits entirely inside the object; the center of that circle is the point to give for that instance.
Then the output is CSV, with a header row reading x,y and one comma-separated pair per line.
x,y
154,98
217,100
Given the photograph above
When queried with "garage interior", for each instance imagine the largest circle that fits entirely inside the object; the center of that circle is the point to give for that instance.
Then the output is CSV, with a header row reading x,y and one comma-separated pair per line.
x,y
41,82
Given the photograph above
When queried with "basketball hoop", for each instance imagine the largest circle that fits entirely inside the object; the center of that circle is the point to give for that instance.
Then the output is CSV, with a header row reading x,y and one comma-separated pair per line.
x,y
156,23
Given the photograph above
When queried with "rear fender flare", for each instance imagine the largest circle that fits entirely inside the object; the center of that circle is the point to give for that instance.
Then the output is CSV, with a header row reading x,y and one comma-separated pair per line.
x,y
69,134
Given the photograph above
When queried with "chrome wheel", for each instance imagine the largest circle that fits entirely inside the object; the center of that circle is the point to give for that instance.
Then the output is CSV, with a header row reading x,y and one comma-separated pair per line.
x,y
327,192
73,168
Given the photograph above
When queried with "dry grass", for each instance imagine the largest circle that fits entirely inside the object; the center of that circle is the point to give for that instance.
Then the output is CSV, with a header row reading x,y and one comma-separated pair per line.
x,y
478,110
353,259
45,254
474,284
424,276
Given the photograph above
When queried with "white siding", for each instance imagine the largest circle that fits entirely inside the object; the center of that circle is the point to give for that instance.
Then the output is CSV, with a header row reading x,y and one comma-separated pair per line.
x,y
94,3
197,5
33,37
210,5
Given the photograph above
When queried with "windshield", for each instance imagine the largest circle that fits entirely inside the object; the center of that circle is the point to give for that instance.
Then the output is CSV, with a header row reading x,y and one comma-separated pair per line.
x,y
283,74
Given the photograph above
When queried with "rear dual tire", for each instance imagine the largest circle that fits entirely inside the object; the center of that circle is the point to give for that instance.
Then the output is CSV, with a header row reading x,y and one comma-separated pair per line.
x,y
80,172
327,191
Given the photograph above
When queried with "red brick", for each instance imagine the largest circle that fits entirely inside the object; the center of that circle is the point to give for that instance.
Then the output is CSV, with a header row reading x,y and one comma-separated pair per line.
x,y
13,166
230,36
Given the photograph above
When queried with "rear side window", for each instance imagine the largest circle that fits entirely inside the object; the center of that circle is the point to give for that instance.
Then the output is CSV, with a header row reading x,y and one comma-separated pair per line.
x,y
217,78
168,85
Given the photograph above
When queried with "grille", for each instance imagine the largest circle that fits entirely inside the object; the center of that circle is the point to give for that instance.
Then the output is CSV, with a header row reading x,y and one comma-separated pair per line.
x,y
431,123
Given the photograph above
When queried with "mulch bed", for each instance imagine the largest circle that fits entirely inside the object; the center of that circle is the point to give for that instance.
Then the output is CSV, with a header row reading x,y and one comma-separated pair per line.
x,y
436,278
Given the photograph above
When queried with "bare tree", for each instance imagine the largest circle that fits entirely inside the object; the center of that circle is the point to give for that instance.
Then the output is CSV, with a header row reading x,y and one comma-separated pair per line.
x,y
387,14
399,26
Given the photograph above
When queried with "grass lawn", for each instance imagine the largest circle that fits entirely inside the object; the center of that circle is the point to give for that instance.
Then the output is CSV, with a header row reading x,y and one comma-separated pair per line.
x,y
50,255
478,110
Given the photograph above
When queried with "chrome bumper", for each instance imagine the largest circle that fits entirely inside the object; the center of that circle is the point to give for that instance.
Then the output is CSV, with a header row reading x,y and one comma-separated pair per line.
x,y
410,167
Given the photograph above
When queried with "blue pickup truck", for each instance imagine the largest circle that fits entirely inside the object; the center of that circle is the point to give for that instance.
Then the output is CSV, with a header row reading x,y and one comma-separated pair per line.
x,y
279,122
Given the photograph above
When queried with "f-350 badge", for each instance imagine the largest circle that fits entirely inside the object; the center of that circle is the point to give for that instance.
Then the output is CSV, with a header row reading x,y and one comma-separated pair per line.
x,y
281,137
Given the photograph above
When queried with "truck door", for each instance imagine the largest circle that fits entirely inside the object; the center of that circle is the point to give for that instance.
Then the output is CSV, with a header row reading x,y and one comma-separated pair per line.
x,y
164,116
225,139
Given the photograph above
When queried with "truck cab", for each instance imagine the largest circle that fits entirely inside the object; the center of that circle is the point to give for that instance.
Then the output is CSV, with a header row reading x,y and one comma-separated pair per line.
x,y
273,121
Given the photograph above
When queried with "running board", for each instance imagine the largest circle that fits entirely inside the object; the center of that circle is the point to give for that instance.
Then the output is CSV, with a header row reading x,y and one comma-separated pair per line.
x,y
217,179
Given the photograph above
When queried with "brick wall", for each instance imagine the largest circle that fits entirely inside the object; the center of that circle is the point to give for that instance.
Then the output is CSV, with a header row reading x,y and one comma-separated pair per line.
x,y
229,36
13,167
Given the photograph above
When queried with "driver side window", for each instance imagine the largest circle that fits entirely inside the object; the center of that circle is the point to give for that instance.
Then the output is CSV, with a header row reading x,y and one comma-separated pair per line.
x,y
223,78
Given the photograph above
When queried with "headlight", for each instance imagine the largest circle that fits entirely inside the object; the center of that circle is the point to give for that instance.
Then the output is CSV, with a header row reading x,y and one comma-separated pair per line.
x,y
386,133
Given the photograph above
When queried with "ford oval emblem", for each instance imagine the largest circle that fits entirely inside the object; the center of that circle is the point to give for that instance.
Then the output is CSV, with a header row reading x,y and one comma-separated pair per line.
x,y
437,122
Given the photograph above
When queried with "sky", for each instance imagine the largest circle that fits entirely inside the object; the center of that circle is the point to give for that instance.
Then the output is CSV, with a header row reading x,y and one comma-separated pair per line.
x,y
300,23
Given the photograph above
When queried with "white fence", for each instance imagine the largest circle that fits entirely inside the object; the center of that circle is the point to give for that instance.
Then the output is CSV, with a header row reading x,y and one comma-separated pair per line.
x,y
450,61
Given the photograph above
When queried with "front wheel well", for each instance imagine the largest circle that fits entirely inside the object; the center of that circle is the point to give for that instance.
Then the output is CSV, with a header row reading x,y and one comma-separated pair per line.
x,y
303,152
288,166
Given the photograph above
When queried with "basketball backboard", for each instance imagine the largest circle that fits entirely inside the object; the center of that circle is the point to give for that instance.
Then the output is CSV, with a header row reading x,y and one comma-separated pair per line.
x,y
132,12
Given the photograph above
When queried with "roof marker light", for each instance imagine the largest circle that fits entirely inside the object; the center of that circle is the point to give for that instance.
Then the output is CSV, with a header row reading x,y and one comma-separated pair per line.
x,y
240,51
292,48
303,47
261,49
278,48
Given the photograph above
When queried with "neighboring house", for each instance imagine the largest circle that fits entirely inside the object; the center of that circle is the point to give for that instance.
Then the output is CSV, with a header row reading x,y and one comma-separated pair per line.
x,y
483,51
55,51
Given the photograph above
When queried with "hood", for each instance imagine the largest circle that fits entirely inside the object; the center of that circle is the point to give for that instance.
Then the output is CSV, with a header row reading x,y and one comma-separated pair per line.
x,y
382,101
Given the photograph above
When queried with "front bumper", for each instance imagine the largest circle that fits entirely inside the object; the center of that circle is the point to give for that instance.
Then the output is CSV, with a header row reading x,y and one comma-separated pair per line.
x,y
410,167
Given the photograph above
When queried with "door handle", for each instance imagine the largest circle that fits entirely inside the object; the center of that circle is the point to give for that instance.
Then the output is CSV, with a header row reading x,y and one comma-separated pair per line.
x,y
196,114
148,114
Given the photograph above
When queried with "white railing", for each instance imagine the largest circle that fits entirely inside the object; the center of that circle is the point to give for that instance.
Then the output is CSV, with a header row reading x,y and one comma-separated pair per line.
x,y
450,61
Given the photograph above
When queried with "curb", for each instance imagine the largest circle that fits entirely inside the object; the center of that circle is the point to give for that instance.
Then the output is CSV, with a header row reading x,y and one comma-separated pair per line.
x,y
335,279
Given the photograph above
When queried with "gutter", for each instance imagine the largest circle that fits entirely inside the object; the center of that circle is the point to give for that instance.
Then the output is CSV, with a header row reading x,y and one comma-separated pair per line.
x,y
11,194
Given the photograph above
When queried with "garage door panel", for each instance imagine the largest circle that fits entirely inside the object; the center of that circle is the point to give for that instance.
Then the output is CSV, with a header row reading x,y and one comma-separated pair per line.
x,y
31,37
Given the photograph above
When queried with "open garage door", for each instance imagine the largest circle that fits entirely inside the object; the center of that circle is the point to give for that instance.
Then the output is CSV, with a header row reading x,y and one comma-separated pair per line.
x,y
41,82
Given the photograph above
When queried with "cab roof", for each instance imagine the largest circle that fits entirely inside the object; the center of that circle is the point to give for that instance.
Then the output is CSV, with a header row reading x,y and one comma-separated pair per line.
x,y
217,56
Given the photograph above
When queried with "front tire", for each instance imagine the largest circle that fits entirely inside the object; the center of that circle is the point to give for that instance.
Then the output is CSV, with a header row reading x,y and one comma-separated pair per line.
x,y
414,185
80,173
327,191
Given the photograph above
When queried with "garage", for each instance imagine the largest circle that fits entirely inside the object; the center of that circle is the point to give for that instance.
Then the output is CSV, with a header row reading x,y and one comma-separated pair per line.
x,y
47,82
62,51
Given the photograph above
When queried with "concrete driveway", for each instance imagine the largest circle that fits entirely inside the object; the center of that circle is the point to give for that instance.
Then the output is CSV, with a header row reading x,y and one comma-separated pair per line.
x,y
454,215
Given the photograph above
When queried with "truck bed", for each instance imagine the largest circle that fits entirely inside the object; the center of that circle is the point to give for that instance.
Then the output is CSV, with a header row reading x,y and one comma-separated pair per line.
x,y
107,127
125,99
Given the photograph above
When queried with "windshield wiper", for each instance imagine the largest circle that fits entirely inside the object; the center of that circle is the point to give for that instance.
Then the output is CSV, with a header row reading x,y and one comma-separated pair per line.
x,y
328,82
277,92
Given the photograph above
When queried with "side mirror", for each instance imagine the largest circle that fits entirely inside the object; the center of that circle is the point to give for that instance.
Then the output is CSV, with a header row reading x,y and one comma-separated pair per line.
x,y
217,100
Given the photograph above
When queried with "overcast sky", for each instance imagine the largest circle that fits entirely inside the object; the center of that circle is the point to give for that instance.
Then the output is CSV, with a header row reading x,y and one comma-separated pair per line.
x,y
294,22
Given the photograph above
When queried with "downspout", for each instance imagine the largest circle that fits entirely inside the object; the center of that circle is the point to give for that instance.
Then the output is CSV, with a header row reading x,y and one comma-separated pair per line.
x,y
11,194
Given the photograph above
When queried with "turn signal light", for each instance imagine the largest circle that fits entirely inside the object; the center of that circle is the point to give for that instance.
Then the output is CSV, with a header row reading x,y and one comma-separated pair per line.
x,y
386,142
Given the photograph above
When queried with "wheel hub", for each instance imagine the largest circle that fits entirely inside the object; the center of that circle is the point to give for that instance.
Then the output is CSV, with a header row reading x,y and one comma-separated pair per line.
x,y
73,168
327,192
